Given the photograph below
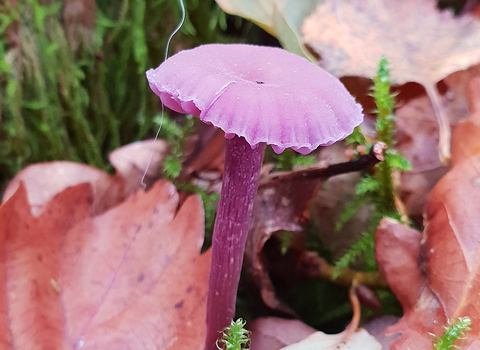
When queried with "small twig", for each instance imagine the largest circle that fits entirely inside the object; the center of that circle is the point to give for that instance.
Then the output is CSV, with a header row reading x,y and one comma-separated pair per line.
x,y
353,325
365,162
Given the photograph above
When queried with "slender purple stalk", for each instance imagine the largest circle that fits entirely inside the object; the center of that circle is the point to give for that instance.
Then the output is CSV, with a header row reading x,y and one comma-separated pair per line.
x,y
240,182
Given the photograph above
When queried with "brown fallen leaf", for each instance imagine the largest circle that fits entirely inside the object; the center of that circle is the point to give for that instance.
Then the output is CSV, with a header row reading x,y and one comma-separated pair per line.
x,y
45,180
130,278
376,328
436,276
279,205
466,140
456,93
30,260
398,255
424,47
452,246
417,135
207,152
139,164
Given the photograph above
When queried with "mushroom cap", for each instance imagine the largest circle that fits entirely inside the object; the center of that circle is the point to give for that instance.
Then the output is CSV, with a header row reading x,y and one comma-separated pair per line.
x,y
263,94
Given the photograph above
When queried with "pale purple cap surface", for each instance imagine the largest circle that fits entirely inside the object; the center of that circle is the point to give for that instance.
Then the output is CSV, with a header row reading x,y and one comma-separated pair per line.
x,y
264,94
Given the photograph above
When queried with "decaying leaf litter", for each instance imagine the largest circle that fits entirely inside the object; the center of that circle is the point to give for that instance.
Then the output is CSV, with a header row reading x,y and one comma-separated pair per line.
x,y
103,326
75,279
443,267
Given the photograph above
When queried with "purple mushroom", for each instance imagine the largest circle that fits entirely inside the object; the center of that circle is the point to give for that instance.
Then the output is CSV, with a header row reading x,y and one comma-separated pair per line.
x,y
257,96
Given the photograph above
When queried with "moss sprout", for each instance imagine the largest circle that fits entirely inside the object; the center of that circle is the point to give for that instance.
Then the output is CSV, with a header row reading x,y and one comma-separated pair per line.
x,y
454,331
235,337
376,188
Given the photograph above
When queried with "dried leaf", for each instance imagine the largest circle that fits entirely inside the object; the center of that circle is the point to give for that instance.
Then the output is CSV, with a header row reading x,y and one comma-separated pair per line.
x,y
436,277
139,163
417,136
360,340
411,275
279,205
45,180
129,278
376,328
452,246
466,140
31,247
273,333
398,254
424,47
457,90
206,155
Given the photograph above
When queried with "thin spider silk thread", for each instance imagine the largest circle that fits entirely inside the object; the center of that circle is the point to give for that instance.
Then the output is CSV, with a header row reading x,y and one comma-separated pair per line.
x,y
175,31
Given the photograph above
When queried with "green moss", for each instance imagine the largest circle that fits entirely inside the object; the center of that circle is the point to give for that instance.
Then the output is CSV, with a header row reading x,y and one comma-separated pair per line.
x,y
376,188
456,330
235,336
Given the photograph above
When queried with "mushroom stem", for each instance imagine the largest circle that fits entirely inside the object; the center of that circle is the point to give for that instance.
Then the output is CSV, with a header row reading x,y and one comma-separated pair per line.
x,y
240,182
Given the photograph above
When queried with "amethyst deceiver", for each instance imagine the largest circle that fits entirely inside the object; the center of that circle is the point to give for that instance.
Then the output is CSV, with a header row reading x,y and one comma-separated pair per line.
x,y
257,95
